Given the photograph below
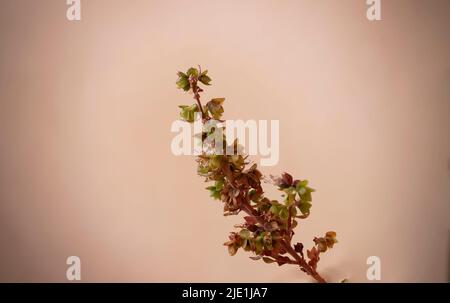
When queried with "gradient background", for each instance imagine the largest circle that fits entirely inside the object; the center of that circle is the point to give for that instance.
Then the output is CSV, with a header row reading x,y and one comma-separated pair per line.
x,y
85,114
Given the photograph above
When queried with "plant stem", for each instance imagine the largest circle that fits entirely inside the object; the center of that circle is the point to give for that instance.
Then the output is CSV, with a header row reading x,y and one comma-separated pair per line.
x,y
195,90
302,263
247,208
288,248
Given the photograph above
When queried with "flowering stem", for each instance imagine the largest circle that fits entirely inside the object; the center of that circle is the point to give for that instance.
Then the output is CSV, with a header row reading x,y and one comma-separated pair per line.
x,y
269,224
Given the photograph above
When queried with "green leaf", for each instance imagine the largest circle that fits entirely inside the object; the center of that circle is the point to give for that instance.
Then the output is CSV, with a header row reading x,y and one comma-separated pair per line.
x,y
244,233
284,213
219,185
275,209
215,195
302,191
215,162
183,83
246,245
182,75
203,170
205,79
216,189
188,112
215,107
306,197
192,72
305,207
303,183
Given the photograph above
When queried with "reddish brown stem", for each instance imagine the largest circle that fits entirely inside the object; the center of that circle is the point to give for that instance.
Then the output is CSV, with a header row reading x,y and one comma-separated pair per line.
x,y
247,208
195,89
302,263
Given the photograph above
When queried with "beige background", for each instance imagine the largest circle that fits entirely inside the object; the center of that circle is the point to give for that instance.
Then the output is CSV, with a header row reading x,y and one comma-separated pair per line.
x,y
86,109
